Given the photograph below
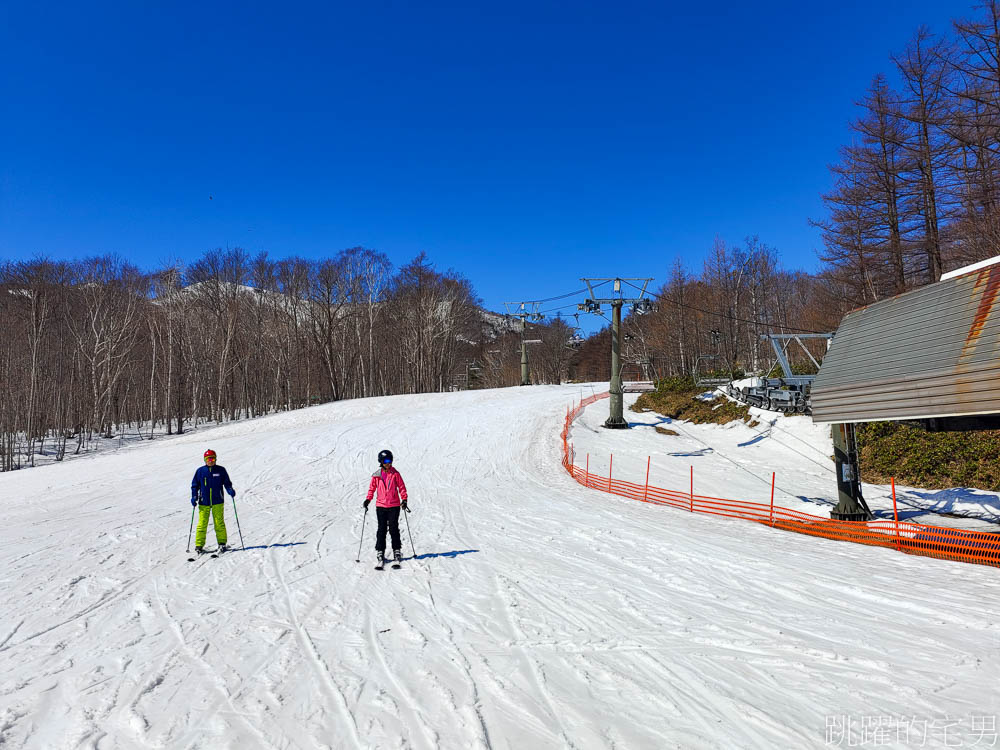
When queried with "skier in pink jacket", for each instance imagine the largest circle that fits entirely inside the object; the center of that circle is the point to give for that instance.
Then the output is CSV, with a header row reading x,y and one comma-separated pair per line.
x,y
388,483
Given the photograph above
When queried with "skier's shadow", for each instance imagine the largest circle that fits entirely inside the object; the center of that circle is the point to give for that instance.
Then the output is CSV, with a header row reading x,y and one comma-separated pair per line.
x,y
453,553
269,546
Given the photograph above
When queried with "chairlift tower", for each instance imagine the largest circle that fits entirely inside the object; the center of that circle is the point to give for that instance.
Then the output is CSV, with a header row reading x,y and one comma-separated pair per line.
x,y
524,314
616,419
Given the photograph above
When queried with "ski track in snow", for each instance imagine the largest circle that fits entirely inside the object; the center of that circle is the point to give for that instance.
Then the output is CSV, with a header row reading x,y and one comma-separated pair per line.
x,y
536,613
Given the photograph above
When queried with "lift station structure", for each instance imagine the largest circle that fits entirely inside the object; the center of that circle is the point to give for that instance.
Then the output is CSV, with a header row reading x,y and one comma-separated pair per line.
x,y
930,356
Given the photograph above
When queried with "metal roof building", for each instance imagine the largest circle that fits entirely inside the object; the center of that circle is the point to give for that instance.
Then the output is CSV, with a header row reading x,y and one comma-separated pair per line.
x,y
927,354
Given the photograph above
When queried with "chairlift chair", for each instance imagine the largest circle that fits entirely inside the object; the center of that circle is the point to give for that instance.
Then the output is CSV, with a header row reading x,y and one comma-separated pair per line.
x,y
703,381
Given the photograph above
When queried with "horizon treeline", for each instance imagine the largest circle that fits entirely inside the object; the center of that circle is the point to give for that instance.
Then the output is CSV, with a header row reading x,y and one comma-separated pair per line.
x,y
96,347
917,191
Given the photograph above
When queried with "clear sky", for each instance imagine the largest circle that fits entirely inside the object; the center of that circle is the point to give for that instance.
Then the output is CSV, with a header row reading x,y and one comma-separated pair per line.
x,y
524,145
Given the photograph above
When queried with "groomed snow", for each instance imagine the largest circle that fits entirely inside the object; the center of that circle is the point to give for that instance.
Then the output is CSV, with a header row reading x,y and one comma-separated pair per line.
x,y
537,614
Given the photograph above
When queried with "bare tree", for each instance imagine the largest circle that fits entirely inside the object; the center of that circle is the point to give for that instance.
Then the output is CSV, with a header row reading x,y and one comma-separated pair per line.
x,y
109,293
924,70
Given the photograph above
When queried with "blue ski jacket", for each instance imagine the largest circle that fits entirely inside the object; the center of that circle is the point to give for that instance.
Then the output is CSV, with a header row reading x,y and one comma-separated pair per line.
x,y
208,483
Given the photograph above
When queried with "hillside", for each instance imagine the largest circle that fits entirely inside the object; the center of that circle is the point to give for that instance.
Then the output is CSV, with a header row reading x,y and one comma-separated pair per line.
x,y
537,613
939,476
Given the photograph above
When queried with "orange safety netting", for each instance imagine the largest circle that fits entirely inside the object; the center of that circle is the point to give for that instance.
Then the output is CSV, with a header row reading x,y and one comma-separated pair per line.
x,y
933,541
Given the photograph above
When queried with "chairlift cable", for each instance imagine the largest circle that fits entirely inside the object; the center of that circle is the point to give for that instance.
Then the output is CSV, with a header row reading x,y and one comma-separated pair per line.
x,y
553,309
562,296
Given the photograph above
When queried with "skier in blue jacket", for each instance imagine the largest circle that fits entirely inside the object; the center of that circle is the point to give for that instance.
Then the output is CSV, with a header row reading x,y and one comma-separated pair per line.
x,y
208,483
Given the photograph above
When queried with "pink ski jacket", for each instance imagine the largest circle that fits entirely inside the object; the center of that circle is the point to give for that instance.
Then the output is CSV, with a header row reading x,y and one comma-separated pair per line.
x,y
390,487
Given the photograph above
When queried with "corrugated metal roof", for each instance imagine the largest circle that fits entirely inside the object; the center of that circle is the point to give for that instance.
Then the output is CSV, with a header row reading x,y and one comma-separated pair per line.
x,y
933,352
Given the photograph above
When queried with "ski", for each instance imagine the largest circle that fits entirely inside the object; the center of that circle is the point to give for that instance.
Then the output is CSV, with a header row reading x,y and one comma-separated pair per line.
x,y
380,565
210,553
395,564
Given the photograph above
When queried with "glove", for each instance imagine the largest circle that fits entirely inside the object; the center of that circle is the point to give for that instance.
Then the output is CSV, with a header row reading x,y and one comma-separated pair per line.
x,y
405,508
366,504
194,501
232,492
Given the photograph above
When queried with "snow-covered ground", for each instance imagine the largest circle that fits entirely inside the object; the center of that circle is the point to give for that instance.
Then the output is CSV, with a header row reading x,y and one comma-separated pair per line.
x,y
124,438
537,613
735,462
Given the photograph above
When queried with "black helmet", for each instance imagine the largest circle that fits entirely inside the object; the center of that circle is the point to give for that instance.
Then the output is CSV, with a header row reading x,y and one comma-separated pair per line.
x,y
384,456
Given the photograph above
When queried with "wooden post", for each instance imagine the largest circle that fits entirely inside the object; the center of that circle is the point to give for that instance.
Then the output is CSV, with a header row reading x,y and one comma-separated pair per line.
x,y
611,464
895,513
587,474
772,499
645,492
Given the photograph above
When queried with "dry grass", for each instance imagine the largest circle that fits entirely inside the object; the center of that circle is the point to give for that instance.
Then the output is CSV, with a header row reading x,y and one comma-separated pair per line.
x,y
678,404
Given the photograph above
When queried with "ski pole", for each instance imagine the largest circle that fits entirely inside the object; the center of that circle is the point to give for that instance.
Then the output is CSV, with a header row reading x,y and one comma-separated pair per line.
x,y
190,529
363,518
408,531
238,525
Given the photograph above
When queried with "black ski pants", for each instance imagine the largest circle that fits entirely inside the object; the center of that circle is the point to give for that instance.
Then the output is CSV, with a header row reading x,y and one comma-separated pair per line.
x,y
388,519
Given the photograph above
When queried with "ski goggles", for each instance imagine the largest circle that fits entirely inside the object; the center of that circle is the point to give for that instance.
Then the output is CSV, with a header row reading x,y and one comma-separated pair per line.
x,y
209,458
386,460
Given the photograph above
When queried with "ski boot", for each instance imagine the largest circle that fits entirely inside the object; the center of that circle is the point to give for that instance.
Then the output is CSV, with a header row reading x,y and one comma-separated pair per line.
x,y
397,558
199,550
381,560
222,548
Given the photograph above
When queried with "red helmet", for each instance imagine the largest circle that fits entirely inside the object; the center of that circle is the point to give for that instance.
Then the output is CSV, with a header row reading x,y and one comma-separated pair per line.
x,y
209,453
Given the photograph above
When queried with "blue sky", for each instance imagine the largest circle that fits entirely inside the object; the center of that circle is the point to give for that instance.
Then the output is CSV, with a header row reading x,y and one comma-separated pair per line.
x,y
524,145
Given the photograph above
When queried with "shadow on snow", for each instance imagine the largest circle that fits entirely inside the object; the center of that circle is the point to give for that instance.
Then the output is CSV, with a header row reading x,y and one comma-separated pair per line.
x,y
959,501
269,546
453,553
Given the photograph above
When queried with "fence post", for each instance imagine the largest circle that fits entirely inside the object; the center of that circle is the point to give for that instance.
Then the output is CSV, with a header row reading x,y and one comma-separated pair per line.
x,y
587,472
772,499
611,464
692,489
645,492
895,513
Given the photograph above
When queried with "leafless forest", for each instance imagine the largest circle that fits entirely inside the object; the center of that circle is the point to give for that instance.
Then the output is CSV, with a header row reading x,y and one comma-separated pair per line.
x,y
96,347
916,190
713,322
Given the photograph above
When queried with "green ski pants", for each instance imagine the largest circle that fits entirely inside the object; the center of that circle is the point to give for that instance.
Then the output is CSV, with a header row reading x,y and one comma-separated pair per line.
x,y
218,516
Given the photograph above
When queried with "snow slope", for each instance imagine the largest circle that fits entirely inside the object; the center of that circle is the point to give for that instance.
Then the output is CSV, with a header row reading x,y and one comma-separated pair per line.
x,y
537,614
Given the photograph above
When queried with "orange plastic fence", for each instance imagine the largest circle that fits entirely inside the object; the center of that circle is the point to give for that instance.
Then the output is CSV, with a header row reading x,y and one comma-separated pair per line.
x,y
932,541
